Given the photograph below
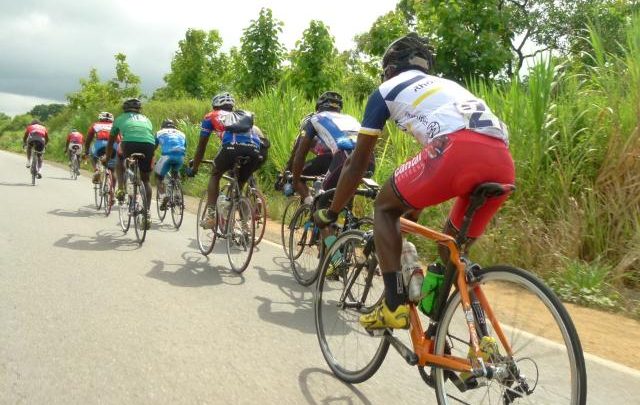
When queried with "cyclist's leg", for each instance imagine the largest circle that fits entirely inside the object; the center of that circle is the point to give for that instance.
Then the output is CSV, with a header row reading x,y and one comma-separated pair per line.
x,y
39,146
29,148
161,169
145,165
221,164
122,156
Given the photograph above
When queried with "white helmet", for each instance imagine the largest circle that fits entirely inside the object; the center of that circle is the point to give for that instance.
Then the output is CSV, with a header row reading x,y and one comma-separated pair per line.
x,y
105,116
222,99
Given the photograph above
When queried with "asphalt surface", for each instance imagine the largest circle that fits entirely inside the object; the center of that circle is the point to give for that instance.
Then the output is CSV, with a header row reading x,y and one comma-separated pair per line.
x,y
88,316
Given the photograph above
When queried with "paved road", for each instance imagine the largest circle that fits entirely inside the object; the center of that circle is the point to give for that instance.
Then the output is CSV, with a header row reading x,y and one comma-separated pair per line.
x,y
86,316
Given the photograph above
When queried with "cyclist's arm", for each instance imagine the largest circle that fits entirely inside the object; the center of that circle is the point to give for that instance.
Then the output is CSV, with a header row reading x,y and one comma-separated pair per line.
x,y
298,164
90,135
46,137
26,134
376,114
296,145
205,133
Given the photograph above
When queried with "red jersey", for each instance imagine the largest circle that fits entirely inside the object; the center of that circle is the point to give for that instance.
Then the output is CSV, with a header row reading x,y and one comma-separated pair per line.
x,y
75,137
37,130
100,130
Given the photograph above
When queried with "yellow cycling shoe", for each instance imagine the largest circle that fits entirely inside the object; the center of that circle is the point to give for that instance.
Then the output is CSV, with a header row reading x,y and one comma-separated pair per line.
x,y
383,318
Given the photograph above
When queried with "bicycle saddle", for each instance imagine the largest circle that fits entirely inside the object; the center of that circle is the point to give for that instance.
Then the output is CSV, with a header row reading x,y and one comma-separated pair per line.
x,y
489,190
137,156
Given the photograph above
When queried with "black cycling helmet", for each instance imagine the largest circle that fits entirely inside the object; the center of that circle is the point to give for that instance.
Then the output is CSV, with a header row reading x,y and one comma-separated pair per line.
x,y
132,105
224,101
73,130
34,122
408,52
329,101
168,123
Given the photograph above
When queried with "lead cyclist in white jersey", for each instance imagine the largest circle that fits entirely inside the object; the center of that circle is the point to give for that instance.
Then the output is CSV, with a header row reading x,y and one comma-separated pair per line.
x,y
464,144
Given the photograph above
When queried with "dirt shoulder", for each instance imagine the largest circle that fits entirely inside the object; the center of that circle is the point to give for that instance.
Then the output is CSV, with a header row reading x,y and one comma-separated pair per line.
x,y
611,336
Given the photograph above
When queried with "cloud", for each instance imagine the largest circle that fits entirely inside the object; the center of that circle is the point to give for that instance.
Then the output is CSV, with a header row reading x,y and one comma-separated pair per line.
x,y
48,45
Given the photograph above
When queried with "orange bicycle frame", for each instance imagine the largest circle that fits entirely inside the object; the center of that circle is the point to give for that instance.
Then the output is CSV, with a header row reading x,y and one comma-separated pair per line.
x,y
422,345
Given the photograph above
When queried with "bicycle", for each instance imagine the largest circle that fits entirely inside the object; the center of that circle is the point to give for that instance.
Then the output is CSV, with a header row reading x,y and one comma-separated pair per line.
x,y
235,223
34,164
98,194
74,163
306,245
259,209
108,190
292,206
478,345
135,201
175,199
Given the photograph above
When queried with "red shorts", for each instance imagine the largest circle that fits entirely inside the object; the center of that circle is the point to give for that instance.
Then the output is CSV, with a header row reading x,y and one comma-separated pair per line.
x,y
452,166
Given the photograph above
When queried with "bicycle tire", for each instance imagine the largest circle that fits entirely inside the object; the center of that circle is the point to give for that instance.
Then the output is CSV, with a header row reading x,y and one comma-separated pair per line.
x,y
97,189
305,266
176,199
141,213
336,294
124,216
34,167
205,238
526,288
259,210
240,240
289,210
108,193
161,214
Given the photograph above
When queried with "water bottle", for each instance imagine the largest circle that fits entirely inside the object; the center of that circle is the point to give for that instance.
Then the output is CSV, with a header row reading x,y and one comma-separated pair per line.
x,y
430,287
411,271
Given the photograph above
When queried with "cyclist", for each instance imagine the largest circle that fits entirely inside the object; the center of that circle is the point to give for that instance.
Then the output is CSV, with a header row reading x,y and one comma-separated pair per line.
x,y
317,166
99,130
75,139
239,138
35,136
464,144
173,146
137,137
334,129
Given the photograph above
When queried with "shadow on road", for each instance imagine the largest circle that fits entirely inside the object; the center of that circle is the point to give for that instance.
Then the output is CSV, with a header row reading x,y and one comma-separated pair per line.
x,y
15,184
83,212
342,393
60,178
103,241
194,271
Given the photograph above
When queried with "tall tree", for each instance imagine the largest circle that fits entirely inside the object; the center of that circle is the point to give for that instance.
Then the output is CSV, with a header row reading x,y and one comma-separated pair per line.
x,y
314,61
261,53
126,84
44,111
198,65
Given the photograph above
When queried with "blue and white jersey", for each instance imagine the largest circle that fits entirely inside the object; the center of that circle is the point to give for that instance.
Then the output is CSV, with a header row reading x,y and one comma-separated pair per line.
x,y
171,141
336,130
427,107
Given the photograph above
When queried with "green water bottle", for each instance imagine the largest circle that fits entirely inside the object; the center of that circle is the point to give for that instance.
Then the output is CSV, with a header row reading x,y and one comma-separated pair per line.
x,y
430,287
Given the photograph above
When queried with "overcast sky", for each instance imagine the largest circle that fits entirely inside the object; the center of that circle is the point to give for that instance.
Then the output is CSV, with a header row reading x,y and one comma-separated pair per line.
x,y
48,45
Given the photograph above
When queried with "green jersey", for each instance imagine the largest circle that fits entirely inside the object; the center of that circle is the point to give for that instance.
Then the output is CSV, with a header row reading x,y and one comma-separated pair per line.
x,y
134,127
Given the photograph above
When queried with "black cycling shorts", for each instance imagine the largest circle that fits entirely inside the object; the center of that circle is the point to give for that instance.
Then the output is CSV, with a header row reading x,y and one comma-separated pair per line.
x,y
146,164
227,155
36,142
317,166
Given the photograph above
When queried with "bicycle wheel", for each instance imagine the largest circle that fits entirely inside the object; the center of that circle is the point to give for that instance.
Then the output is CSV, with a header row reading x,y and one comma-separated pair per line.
x,y
546,364
34,167
97,190
240,233
305,246
352,290
289,210
124,213
108,192
72,167
161,213
176,201
259,209
140,216
206,238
